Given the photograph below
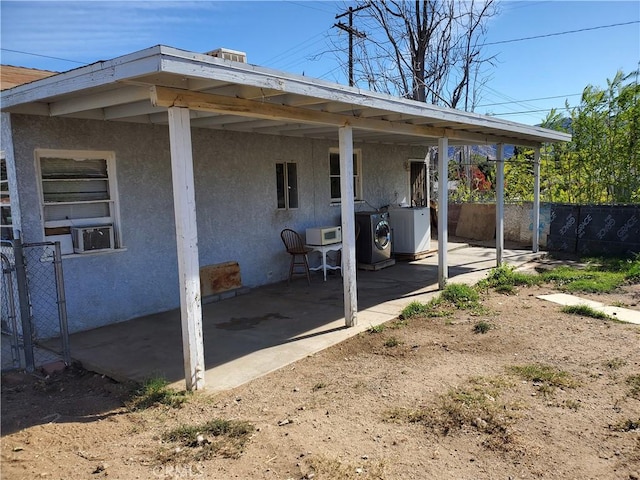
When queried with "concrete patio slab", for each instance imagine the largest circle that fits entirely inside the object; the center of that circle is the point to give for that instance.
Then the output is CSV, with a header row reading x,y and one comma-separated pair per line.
x,y
272,326
618,313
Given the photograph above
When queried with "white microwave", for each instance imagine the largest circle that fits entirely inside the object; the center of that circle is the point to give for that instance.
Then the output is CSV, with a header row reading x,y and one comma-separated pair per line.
x,y
324,235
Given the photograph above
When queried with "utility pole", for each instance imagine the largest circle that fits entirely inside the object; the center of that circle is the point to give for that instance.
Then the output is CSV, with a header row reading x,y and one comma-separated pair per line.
x,y
351,31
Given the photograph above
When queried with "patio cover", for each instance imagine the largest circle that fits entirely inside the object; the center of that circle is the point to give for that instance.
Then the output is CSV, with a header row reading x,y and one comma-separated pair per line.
x,y
165,85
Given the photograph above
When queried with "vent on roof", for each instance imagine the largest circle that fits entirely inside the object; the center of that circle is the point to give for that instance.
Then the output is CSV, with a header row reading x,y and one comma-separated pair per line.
x,y
233,55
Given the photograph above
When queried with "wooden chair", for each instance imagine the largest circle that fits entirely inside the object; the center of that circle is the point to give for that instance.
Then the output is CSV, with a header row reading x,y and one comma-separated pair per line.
x,y
296,248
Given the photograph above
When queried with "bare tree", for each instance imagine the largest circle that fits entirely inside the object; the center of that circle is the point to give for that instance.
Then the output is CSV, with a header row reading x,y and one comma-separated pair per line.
x,y
426,50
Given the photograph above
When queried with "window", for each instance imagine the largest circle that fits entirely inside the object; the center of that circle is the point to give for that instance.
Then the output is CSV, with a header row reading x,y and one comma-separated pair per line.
x,y
334,174
78,190
6,227
287,185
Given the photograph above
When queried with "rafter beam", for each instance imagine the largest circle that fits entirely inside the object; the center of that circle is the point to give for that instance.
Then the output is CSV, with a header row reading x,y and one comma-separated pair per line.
x,y
217,120
135,109
172,97
110,98
168,97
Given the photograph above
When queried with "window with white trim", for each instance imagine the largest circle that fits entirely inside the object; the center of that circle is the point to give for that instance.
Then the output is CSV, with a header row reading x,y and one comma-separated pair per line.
x,y
78,190
287,185
6,227
334,174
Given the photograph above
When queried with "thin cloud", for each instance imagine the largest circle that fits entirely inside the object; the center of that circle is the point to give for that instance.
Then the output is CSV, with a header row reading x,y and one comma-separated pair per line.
x,y
87,31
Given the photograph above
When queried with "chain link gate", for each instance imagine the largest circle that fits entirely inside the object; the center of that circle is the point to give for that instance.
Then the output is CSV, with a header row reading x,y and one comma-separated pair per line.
x,y
11,331
34,316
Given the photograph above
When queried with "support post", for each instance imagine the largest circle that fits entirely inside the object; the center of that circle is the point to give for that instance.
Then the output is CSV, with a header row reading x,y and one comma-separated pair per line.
x,y
187,244
443,207
62,304
25,304
536,201
427,202
499,203
12,315
348,226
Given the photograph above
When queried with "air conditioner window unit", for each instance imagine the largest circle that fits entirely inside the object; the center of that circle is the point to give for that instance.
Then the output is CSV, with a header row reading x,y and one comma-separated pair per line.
x,y
92,239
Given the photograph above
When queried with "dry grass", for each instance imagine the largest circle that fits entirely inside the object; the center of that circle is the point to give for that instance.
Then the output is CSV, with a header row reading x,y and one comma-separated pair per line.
x,y
225,438
545,377
324,468
472,406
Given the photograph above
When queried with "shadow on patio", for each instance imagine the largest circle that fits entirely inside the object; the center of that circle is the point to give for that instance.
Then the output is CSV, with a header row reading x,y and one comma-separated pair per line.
x,y
250,335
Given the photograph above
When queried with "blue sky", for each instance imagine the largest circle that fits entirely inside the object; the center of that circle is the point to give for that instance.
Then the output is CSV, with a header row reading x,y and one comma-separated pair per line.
x,y
295,36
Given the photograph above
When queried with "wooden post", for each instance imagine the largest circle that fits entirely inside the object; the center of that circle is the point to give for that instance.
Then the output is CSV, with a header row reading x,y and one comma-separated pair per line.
x,y
443,207
187,244
348,227
536,201
499,203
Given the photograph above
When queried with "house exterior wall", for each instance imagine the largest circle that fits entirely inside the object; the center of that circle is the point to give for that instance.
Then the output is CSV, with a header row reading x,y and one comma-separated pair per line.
x,y
6,143
235,188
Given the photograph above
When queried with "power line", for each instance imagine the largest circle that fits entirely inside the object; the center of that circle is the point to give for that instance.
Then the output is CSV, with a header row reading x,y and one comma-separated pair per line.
x,y
288,55
287,58
306,5
43,56
561,33
325,75
530,100
515,6
524,111
509,98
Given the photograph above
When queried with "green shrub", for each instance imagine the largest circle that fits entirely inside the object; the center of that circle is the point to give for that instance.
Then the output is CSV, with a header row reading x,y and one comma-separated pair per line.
x,y
391,342
602,277
482,327
634,384
504,278
201,442
413,309
585,311
376,328
460,295
155,391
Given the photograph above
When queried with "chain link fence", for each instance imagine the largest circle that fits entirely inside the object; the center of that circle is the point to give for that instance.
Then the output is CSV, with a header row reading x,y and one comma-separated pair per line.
x,y
34,317
10,327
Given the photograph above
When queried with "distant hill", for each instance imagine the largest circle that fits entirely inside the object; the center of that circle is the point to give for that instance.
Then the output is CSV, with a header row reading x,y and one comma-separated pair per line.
x,y
484,151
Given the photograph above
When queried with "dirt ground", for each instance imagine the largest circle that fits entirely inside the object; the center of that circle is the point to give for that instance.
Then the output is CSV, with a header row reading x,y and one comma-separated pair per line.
x,y
422,398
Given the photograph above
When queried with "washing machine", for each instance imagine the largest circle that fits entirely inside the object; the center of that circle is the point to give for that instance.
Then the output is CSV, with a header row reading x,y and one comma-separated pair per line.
x,y
374,240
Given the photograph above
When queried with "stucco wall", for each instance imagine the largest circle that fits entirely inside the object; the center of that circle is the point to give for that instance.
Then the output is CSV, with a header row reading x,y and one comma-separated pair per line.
x,y
519,217
236,206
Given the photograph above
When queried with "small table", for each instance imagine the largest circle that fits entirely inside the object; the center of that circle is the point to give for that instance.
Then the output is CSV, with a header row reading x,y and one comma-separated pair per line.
x,y
324,249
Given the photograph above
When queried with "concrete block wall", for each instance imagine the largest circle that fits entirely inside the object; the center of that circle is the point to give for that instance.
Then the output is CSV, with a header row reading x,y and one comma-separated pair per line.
x,y
595,229
580,229
518,220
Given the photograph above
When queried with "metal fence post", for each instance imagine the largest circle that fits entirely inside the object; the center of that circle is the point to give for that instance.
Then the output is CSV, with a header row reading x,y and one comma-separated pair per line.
x,y
25,307
7,271
62,304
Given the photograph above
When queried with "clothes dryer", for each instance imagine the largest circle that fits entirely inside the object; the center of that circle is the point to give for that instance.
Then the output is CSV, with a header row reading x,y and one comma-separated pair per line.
x,y
374,240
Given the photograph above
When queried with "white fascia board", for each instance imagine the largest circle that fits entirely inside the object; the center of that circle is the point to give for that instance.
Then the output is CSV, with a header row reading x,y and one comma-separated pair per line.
x,y
97,74
203,66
